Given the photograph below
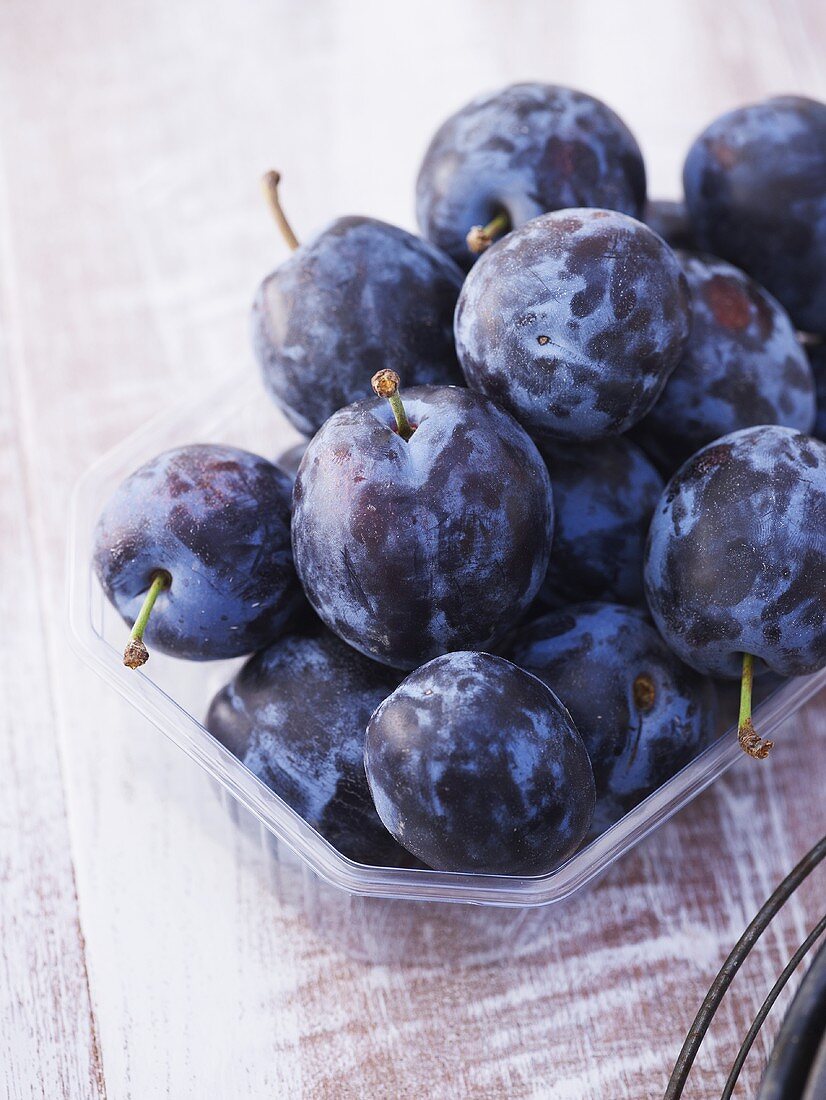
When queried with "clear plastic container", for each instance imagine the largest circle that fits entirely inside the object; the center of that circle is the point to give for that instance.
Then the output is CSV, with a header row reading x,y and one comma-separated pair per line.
x,y
373,913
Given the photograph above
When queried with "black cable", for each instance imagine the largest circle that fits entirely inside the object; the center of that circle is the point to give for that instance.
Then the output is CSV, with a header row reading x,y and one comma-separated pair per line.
x,y
735,960
766,1006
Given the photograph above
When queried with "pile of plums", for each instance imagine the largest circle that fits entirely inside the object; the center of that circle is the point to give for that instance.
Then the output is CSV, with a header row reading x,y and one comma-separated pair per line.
x,y
490,606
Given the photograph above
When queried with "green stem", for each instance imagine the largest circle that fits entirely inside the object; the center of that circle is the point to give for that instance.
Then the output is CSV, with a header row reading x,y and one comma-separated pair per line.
x,y
746,681
270,184
136,653
385,384
402,423
481,237
750,741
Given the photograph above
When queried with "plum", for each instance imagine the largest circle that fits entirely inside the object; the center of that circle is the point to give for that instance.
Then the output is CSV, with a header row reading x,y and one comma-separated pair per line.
x,y
414,538
754,185
604,496
574,323
735,567
290,460
475,766
641,712
670,220
296,716
817,361
360,296
202,534
743,366
527,149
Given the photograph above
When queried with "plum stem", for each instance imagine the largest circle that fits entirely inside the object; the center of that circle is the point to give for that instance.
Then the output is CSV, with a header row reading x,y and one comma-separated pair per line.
x,y
386,383
270,184
481,237
750,741
136,653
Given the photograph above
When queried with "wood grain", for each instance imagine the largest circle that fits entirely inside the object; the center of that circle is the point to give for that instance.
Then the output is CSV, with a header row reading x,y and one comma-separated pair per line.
x,y
48,1040
132,137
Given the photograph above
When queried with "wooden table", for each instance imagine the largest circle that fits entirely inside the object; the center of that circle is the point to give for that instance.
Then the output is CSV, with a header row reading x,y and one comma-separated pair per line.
x,y
141,954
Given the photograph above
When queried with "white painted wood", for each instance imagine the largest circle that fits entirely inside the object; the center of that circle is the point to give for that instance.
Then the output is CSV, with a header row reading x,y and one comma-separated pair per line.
x,y
133,135
48,1041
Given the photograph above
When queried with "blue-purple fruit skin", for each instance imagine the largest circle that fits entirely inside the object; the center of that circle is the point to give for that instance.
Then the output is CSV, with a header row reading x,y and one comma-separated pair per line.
x,y
290,460
817,361
641,712
670,220
736,554
475,766
754,188
574,322
362,296
296,716
411,549
217,520
604,496
525,150
743,366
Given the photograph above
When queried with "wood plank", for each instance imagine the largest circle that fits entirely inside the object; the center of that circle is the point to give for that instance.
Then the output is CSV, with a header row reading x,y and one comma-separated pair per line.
x,y
133,271
48,1040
